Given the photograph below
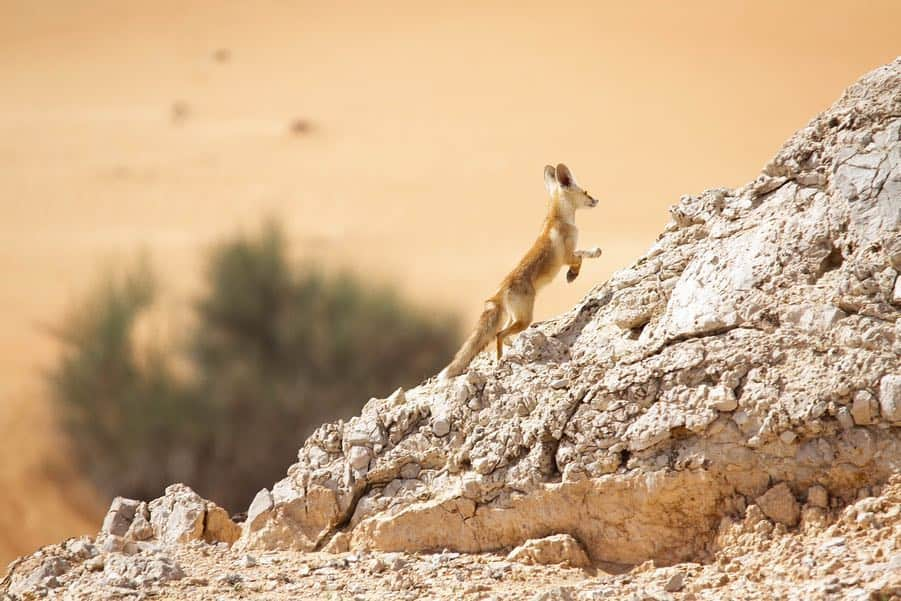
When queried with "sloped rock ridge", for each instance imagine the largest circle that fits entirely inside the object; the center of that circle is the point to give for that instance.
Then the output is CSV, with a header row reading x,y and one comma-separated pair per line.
x,y
728,408
754,352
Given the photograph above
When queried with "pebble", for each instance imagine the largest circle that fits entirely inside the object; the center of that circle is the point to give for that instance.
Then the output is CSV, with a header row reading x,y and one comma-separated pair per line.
x,y
788,436
675,584
230,579
410,471
440,426
248,561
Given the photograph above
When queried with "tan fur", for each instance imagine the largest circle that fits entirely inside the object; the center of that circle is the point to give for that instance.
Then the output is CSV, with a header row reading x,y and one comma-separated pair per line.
x,y
554,248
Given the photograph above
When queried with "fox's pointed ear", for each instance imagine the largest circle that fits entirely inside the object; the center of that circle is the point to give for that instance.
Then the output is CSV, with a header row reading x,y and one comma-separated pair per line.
x,y
550,179
564,177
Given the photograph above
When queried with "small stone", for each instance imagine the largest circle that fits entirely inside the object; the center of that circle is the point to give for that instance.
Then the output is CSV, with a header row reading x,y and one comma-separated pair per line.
x,y
559,593
358,457
440,426
397,397
397,562
317,456
140,529
780,505
818,497
94,564
499,566
332,442
248,561
485,464
865,518
410,471
788,436
896,292
675,584
119,516
461,392
863,407
261,504
890,397
377,565
844,418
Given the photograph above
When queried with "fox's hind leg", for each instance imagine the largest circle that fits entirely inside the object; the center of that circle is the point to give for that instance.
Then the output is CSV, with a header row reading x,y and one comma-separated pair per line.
x,y
510,322
519,307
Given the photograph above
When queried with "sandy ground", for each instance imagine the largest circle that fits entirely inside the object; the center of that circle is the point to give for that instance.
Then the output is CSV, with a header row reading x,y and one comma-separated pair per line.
x,y
167,125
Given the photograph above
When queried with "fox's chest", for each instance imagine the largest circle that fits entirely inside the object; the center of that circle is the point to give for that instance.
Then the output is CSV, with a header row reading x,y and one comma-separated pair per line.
x,y
560,242
563,241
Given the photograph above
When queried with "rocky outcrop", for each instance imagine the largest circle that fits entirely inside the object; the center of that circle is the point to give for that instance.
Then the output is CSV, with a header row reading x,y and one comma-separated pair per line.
x,y
179,516
752,353
135,547
728,407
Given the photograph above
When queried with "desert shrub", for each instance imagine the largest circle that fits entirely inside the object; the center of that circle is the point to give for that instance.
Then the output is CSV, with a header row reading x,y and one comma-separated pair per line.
x,y
120,406
274,349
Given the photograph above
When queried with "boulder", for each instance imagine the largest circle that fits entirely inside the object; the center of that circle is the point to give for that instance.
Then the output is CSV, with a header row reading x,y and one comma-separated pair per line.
x,y
119,516
177,516
557,549
780,505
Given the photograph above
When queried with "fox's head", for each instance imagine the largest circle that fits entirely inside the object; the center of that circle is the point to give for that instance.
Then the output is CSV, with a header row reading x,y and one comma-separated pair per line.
x,y
560,182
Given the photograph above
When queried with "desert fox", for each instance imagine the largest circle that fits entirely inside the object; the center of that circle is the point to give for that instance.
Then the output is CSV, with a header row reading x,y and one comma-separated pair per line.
x,y
554,248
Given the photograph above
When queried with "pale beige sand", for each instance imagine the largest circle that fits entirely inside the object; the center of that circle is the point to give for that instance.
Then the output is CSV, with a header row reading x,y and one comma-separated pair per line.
x,y
430,127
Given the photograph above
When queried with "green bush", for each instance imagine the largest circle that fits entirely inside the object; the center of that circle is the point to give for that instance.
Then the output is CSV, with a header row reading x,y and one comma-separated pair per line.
x,y
274,350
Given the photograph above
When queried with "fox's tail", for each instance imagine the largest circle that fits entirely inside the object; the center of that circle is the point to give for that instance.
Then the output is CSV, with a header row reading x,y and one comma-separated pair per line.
x,y
486,329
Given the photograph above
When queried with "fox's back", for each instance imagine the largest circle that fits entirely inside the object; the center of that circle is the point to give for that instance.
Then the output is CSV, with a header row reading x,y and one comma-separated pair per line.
x,y
543,260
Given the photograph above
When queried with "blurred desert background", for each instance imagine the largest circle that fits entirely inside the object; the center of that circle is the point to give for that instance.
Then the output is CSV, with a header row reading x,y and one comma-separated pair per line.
x,y
404,140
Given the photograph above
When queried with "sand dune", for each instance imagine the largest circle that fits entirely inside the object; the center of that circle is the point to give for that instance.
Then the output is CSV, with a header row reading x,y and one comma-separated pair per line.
x,y
122,129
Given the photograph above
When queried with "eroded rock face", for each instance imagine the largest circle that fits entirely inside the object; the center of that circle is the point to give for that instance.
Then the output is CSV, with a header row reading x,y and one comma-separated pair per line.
x,y
179,516
755,344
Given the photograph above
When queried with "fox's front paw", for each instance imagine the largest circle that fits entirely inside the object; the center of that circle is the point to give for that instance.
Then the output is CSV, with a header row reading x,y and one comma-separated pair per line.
x,y
592,253
571,275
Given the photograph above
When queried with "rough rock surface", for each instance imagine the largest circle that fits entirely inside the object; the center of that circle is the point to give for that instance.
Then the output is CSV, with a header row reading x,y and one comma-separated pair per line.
x,y
755,344
728,408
